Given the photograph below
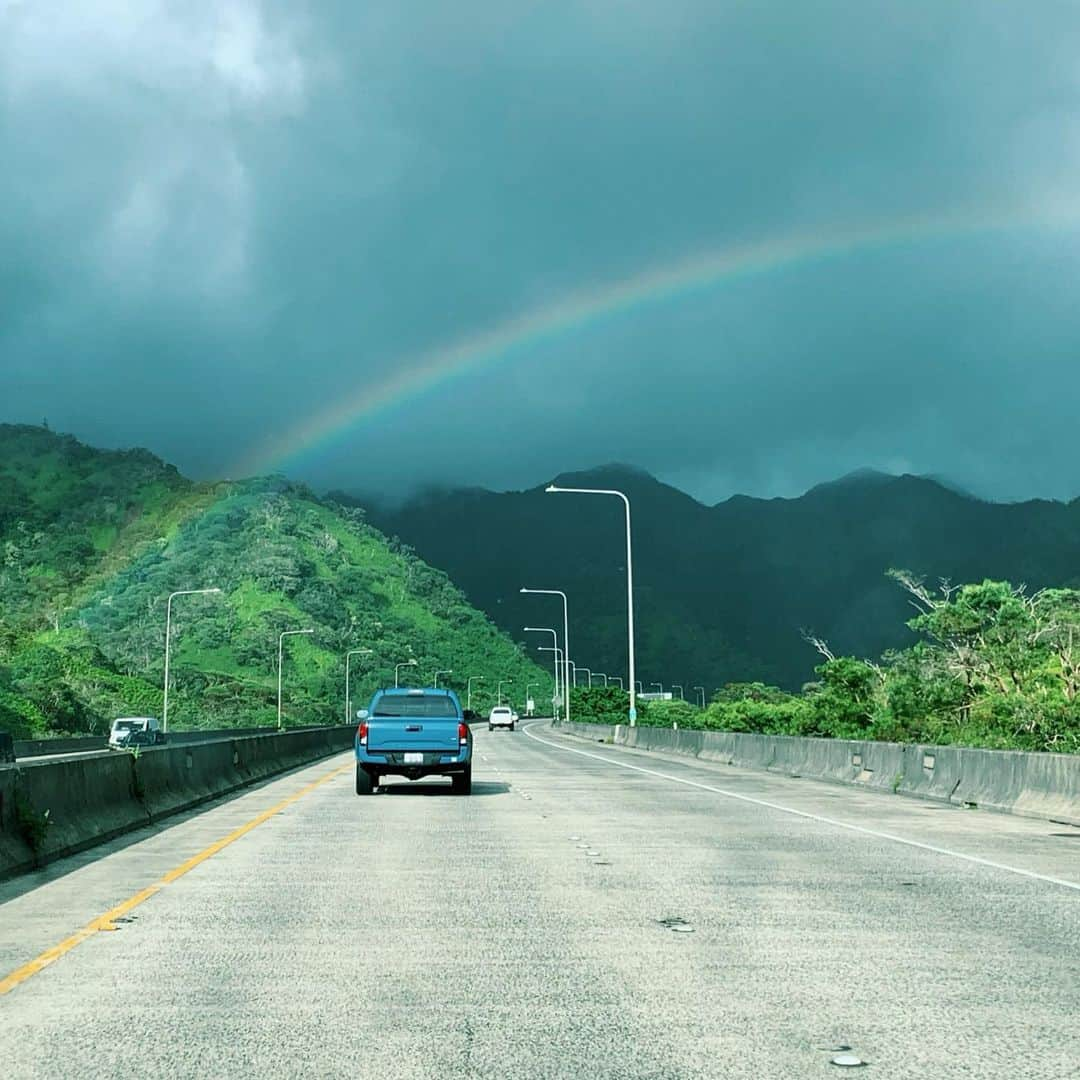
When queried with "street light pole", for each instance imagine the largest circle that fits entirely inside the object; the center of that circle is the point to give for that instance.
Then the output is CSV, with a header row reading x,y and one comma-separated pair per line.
x,y
348,699
168,636
601,675
629,580
398,667
502,682
468,691
558,664
566,642
280,644
438,673
581,667
555,642
618,679
640,688
676,686
702,689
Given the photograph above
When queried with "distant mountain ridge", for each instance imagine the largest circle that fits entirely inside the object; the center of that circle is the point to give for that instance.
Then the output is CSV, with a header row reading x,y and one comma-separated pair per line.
x,y
723,592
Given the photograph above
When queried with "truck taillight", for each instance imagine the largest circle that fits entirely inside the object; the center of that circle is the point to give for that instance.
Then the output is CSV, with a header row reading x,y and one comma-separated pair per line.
x,y
463,732
361,733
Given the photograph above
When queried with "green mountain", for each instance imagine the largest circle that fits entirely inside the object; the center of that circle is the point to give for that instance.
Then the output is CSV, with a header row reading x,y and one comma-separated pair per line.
x,y
94,541
723,593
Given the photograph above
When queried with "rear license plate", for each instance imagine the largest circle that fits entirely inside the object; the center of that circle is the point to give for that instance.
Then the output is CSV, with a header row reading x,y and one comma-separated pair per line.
x,y
414,759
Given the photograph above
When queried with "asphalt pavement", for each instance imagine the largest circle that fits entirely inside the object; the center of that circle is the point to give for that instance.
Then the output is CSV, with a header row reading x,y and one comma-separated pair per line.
x,y
588,912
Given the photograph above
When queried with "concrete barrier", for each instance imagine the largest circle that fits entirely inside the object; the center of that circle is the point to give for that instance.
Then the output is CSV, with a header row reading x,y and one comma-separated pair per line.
x,y
36,747
77,803
13,847
717,746
877,764
25,748
53,808
932,772
593,732
1045,786
177,777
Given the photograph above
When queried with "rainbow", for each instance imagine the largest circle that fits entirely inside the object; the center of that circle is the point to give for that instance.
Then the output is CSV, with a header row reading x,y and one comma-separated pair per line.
x,y
501,343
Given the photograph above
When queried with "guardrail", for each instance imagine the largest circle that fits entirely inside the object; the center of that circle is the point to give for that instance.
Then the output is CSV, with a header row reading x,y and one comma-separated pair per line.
x,y
1045,786
53,808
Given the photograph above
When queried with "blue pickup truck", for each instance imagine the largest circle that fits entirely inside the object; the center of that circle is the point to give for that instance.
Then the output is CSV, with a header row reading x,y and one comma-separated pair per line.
x,y
413,733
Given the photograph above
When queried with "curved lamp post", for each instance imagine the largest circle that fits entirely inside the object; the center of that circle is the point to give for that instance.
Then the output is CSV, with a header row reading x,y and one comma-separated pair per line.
x,y
566,642
558,664
348,699
554,489
398,667
168,637
468,691
554,641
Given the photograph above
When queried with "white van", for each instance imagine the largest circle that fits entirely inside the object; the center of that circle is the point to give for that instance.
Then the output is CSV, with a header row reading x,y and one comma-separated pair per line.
x,y
141,730
502,716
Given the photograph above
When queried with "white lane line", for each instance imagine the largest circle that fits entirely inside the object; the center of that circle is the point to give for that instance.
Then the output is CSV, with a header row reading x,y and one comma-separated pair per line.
x,y
811,817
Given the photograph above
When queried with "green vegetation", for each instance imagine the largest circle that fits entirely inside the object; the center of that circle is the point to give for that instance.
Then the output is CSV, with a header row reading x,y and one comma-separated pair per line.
x,y
996,667
722,591
32,826
93,542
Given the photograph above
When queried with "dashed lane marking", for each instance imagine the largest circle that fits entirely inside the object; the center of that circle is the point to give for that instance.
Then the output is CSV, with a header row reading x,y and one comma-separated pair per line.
x,y
978,860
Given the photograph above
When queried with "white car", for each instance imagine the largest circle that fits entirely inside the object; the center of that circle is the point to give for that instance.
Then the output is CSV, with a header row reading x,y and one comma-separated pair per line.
x,y
142,729
502,716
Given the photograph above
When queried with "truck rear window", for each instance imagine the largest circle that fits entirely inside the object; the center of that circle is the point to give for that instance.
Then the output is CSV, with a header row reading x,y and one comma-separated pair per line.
x,y
429,706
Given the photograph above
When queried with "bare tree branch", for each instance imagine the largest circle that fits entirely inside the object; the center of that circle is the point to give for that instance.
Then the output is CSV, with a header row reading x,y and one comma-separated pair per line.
x,y
819,643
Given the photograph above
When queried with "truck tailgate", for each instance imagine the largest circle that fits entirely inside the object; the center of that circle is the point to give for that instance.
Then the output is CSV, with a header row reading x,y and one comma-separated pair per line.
x,y
408,734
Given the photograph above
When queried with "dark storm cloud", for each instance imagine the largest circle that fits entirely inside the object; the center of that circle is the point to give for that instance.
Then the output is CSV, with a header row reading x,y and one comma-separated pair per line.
x,y
217,219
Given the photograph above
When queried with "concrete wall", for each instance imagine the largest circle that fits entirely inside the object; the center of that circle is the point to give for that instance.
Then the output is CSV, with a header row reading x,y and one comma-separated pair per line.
x,y
1035,785
36,747
75,804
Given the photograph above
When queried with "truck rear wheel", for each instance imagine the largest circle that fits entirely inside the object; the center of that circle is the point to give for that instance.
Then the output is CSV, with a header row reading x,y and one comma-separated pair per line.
x,y
364,781
461,783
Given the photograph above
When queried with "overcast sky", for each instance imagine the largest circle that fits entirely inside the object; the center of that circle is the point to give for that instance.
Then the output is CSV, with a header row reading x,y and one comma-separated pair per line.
x,y
217,218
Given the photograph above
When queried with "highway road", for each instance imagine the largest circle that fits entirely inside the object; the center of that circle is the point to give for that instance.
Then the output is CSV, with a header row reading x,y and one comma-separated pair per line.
x,y
589,912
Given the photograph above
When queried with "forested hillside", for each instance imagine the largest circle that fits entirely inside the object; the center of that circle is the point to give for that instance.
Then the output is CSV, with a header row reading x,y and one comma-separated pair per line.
x,y
724,593
94,541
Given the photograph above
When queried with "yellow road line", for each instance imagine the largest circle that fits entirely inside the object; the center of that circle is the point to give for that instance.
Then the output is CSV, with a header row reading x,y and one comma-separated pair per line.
x,y
107,921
